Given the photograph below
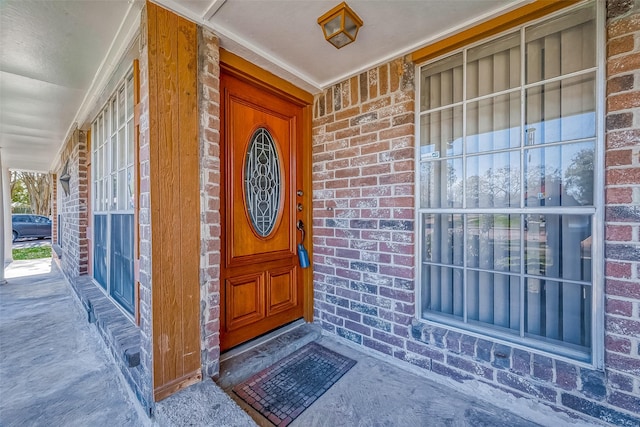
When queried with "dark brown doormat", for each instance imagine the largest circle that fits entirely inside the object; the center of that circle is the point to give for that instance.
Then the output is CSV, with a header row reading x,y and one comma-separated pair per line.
x,y
283,391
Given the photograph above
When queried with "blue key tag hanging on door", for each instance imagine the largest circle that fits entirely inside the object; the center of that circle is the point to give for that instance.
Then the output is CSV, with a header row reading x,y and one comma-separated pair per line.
x,y
303,255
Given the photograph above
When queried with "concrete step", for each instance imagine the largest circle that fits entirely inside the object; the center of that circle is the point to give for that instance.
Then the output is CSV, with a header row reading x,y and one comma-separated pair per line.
x,y
248,359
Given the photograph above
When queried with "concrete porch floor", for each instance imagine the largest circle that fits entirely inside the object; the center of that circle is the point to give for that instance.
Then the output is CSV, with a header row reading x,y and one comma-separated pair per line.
x,y
55,370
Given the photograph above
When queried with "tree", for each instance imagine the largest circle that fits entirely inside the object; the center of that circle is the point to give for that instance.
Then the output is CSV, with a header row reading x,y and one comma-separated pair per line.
x,y
38,186
579,177
19,192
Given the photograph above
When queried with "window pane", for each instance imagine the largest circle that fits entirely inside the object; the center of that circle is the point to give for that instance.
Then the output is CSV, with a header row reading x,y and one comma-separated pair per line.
x,y
561,111
493,242
130,142
441,133
114,153
493,299
114,119
443,239
558,311
493,180
99,163
494,66
122,148
131,191
114,192
562,45
97,195
441,183
94,137
441,83
121,106
105,194
558,246
129,97
560,175
121,276
100,250
443,290
493,123
101,134
122,190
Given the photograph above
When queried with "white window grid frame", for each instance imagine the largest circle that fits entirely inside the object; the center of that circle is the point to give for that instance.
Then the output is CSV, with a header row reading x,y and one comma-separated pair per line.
x,y
102,158
106,168
596,359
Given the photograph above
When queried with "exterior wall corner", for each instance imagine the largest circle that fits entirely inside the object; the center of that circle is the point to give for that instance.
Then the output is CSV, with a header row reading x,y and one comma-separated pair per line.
x,y
209,135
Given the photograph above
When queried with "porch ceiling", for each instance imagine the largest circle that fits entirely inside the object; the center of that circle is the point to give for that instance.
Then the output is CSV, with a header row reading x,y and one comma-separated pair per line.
x,y
56,55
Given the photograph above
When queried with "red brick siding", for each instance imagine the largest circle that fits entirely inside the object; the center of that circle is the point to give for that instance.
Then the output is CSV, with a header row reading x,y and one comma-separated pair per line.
x,y
363,184
622,200
144,222
208,83
363,175
54,208
73,207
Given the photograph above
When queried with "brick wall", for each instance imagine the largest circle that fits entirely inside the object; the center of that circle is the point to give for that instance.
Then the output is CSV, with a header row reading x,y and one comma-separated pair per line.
x,y
363,174
73,207
622,213
209,106
54,209
363,198
144,221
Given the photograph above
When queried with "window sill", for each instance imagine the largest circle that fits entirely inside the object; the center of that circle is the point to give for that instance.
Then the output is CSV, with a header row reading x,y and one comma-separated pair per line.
x,y
118,331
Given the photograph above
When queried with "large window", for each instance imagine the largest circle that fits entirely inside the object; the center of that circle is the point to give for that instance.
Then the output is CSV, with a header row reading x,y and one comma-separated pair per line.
x,y
506,197
113,195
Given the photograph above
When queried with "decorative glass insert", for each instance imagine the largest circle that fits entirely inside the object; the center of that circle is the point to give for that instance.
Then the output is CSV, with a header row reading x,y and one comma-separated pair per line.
x,y
262,182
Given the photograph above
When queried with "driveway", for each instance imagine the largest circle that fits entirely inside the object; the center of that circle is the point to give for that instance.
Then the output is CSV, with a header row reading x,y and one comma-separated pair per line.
x,y
31,243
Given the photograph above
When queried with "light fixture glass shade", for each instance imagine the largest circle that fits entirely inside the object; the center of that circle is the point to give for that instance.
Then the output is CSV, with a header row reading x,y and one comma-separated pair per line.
x,y
340,25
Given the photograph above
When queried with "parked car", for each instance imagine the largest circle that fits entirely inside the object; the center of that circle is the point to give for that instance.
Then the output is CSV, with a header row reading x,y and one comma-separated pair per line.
x,y
25,225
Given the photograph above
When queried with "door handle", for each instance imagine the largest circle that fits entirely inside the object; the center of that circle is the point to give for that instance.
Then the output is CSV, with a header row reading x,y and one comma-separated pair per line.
x,y
303,255
300,226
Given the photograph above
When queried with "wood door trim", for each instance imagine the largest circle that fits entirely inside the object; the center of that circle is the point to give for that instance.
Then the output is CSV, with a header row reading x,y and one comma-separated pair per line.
x,y
237,67
307,188
245,70
499,24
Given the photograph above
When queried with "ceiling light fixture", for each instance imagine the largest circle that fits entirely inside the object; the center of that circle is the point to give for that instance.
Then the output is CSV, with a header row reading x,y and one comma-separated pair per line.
x,y
340,25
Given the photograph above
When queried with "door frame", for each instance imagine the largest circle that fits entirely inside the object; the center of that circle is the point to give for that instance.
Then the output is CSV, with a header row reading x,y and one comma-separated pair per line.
x,y
244,70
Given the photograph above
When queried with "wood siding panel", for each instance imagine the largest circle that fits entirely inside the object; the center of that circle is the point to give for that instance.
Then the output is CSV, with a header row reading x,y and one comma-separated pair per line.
x,y
175,207
189,200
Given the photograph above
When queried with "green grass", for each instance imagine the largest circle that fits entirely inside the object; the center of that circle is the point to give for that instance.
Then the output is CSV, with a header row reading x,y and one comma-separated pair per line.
x,y
32,253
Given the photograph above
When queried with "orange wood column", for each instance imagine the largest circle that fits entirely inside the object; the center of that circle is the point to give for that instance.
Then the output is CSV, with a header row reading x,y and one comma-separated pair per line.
x,y
175,201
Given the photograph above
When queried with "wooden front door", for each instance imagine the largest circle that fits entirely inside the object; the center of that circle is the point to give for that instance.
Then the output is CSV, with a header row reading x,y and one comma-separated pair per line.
x,y
261,281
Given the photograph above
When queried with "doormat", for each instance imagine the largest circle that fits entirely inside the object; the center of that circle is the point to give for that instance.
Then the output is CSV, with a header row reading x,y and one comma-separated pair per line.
x,y
284,390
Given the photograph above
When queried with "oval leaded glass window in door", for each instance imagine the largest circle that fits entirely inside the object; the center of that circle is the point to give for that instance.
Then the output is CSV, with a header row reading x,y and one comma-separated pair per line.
x,y
262,182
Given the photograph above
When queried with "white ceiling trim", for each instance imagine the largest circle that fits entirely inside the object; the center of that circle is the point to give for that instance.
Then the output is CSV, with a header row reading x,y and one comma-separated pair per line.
x,y
213,8
250,50
244,48
127,32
